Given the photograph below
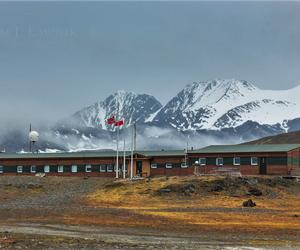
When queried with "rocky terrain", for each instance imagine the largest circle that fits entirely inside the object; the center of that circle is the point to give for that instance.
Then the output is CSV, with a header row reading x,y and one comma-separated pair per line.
x,y
100,213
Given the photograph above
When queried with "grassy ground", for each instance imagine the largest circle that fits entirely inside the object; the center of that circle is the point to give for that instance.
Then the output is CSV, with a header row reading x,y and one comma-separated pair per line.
x,y
184,211
278,208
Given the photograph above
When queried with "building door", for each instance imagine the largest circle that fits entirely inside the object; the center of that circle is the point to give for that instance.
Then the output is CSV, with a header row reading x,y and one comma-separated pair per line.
x,y
139,167
263,165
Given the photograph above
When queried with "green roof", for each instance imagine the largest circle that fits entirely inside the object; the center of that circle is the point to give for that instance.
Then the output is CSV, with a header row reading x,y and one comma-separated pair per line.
x,y
259,148
88,154
162,153
108,154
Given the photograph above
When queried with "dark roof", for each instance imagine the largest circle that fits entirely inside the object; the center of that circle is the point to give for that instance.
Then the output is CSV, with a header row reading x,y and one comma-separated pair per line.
x,y
247,148
88,154
162,153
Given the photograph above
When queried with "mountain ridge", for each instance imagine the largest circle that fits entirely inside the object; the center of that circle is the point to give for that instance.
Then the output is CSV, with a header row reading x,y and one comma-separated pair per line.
x,y
202,113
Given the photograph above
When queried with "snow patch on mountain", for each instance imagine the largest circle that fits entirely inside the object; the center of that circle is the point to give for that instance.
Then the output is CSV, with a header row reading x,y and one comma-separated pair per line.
x,y
134,108
219,104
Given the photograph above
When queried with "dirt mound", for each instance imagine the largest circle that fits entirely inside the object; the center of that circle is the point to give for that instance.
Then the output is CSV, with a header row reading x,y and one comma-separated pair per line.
x,y
231,186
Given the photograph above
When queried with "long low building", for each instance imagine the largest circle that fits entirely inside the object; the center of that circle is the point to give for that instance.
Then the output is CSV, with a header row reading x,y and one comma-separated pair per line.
x,y
272,159
276,159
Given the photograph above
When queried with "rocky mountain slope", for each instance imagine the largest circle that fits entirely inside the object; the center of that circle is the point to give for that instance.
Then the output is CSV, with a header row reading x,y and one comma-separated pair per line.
x,y
285,138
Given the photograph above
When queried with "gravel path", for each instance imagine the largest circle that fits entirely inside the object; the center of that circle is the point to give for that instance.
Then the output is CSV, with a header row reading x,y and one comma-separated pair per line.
x,y
56,193
103,238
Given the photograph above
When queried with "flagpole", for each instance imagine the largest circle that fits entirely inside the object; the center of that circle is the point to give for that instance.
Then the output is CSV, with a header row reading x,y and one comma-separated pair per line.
x,y
117,161
124,162
131,161
29,139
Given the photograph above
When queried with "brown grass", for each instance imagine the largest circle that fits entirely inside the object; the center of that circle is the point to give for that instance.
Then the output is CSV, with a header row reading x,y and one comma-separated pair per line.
x,y
214,211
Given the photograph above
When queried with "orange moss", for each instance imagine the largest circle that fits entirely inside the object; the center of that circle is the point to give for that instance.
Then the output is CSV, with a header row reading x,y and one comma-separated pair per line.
x,y
215,211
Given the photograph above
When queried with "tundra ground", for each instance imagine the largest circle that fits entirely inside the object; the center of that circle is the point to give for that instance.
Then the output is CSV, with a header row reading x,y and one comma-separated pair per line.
x,y
156,213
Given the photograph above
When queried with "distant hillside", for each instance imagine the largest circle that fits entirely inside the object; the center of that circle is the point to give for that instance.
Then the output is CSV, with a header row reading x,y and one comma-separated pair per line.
x,y
291,137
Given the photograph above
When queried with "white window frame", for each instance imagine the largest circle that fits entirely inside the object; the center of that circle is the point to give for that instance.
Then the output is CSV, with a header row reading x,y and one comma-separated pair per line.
x,y
254,164
46,169
1,169
234,161
109,166
202,164
60,169
184,165
154,165
218,158
88,168
19,169
31,167
74,168
169,165
102,170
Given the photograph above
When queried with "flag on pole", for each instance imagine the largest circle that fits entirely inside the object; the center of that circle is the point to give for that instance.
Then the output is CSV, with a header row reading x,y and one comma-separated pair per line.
x,y
111,120
119,123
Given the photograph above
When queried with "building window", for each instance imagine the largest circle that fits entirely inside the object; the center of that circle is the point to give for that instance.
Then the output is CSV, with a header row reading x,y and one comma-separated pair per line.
x,y
19,169
169,165
184,165
219,161
74,168
102,168
110,167
153,165
60,169
88,168
1,169
237,161
254,161
46,169
202,161
32,169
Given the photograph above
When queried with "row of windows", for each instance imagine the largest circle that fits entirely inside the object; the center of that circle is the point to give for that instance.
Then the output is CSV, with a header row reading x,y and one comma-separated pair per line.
x,y
169,165
203,161
73,168
236,161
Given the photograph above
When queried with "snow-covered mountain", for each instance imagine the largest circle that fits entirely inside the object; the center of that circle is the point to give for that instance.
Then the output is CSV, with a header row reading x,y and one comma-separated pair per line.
x,y
211,112
219,104
132,107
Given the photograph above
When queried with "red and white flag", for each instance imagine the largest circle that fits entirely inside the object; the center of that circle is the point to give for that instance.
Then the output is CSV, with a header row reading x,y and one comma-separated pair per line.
x,y
111,120
119,123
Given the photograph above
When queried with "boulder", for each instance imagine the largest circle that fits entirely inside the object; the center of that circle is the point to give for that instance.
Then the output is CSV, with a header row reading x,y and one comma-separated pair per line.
x,y
249,203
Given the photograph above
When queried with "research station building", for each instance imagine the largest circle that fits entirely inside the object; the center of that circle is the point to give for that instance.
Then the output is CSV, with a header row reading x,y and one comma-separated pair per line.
x,y
272,159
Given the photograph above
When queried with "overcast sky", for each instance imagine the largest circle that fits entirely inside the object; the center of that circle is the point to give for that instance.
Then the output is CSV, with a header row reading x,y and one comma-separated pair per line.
x,y
56,58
